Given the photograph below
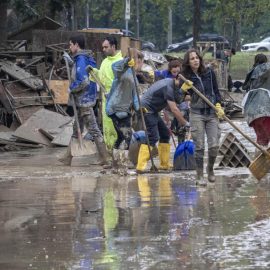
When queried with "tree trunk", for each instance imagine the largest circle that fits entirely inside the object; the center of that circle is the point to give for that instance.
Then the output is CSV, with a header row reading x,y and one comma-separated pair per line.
x,y
196,21
236,42
3,21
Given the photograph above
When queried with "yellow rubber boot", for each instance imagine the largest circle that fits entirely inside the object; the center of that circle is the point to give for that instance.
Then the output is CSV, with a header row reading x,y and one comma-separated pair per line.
x,y
144,190
164,156
143,158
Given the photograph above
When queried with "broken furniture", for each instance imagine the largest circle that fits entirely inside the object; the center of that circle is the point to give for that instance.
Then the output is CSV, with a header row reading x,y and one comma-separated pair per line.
x,y
234,153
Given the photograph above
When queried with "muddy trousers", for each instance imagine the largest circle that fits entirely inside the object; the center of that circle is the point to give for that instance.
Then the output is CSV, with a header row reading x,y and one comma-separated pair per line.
x,y
123,130
200,125
88,120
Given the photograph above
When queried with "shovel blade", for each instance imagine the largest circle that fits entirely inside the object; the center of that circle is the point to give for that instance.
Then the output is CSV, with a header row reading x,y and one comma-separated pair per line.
x,y
260,166
86,149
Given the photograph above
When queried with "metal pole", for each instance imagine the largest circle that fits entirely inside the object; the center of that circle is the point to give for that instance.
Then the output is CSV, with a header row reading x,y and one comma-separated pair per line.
x,y
87,14
170,26
138,18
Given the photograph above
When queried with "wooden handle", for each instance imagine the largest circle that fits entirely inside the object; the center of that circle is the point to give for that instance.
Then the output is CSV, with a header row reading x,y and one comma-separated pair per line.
x,y
226,118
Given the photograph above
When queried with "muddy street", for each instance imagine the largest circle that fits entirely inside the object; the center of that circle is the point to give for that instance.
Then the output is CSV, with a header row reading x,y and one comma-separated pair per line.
x,y
57,217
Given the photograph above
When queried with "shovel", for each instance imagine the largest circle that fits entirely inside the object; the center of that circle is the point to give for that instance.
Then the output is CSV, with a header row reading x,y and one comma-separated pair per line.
x,y
261,165
79,147
153,168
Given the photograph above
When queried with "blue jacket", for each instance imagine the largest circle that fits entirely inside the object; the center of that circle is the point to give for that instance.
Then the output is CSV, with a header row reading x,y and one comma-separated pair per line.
x,y
84,90
122,96
163,74
207,85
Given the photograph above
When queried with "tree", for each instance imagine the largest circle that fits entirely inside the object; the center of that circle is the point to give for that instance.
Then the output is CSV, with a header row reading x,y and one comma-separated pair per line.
x,y
3,20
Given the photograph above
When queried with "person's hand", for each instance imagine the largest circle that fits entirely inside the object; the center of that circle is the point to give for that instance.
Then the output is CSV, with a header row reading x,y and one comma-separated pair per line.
x,y
131,62
186,86
89,68
67,57
151,74
187,126
219,111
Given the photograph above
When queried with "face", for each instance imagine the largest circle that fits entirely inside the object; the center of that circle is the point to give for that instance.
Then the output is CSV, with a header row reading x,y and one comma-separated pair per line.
x,y
175,71
74,48
194,61
108,50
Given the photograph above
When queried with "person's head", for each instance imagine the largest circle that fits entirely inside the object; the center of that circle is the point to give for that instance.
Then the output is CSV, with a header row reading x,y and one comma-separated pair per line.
x,y
260,59
76,43
109,46
174,67
192,62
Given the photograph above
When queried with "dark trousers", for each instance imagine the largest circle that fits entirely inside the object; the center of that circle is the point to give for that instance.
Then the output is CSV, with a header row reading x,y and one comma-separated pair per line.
x,y
123,130
156,129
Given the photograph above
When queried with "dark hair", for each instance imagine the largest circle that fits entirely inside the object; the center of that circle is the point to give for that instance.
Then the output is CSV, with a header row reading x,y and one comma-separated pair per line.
x,y
79,39
112,40
173,64
260,59
186,69
233,51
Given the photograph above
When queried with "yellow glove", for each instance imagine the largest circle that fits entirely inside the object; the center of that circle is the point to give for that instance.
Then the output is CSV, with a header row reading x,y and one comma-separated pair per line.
x,y
144,110
151,74
186,86
219,111
131,62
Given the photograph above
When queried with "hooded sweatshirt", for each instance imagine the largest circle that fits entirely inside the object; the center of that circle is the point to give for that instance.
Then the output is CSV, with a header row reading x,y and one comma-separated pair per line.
x,y
84,90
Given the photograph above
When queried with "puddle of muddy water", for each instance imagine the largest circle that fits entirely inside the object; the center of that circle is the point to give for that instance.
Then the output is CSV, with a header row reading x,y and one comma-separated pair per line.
x,y
143,222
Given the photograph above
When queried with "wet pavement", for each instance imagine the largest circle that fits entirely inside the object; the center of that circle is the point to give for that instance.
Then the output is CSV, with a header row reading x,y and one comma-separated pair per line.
x,y
55,217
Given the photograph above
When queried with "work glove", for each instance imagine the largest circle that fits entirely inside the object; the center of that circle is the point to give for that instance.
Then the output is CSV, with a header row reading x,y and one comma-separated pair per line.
x,y
219,111
187,126
67,57
151,74
186,86
89,68
131,62
144,110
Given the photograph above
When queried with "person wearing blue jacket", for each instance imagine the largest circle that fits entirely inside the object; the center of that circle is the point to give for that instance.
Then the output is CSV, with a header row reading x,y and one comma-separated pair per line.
x,y
84,92
122,99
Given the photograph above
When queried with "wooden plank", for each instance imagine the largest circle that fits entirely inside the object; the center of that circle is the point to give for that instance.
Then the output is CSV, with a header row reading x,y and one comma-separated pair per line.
x,y
59,89
4,99
63,138
43,118
20,74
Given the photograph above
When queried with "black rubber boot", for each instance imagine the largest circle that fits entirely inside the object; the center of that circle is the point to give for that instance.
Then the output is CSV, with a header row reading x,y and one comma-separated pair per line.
x,y
200,181
212,155
102,150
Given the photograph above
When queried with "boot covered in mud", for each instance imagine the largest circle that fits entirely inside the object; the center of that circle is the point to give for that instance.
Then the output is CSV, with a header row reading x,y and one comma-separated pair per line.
x,y
67,158
200,181
164,156
102,151
143,158
212,154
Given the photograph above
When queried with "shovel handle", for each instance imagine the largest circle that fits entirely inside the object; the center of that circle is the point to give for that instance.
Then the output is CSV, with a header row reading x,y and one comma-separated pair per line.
x,y
153,168
226,118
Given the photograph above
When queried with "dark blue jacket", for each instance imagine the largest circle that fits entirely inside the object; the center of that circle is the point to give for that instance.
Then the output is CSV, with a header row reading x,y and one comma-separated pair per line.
x,y
85,90
207,85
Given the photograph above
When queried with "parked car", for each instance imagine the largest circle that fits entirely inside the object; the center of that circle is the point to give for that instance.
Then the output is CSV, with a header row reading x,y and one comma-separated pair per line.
x,y
148,46
263,45
188,43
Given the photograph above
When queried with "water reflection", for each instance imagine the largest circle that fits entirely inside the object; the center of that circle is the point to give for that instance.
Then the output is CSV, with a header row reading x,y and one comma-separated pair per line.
x,y
145,222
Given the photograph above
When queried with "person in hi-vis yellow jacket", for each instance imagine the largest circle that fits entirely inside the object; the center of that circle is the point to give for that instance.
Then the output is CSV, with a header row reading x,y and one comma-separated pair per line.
x,y
106,76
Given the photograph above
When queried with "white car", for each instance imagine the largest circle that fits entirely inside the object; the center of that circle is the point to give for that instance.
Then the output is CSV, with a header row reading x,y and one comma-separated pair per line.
x,y
263,45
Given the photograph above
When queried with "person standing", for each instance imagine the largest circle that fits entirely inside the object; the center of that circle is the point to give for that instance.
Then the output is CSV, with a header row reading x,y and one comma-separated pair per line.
x,y
161,94
256,102
203,119
122,98
84,95
106,76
